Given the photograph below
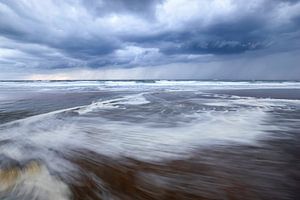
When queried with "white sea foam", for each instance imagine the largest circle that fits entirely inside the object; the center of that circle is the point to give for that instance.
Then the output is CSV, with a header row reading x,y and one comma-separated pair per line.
x,y
117,85
136,99
114,138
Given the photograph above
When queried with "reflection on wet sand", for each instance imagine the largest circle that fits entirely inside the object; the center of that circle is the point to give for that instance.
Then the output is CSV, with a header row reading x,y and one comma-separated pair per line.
x,y
239,172
31,181
236,172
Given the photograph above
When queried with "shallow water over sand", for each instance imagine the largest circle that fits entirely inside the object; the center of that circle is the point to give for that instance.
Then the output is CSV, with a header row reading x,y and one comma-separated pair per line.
x,y
148,140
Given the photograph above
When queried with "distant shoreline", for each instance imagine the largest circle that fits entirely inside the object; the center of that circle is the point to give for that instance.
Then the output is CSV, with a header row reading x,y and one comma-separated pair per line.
x,y
211,80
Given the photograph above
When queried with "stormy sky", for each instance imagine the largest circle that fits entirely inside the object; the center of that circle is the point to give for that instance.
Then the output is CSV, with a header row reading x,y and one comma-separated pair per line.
x,y
150,39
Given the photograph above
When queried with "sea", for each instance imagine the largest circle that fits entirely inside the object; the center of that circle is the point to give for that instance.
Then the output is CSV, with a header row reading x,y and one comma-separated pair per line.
x,y
149,139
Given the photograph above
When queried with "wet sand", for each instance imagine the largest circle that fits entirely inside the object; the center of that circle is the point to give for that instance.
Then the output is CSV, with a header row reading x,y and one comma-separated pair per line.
x,y
268,168
35,103
236,172
231,173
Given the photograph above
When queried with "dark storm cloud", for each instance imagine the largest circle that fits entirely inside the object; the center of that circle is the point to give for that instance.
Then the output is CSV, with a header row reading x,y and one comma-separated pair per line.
x,y
145,8
54,34
69,37
245,32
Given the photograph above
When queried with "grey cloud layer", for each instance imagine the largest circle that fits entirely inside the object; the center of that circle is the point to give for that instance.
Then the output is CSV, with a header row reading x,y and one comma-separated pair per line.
x,y
55,34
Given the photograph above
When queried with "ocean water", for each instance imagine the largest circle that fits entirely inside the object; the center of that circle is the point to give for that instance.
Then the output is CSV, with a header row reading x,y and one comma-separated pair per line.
x,y
155,139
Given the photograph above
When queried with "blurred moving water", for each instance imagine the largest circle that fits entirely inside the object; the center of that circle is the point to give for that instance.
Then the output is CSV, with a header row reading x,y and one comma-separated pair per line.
x,y
149,140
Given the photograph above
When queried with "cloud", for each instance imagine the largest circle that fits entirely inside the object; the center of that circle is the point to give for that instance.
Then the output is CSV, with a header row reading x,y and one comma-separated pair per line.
x,y
71,34
242,68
